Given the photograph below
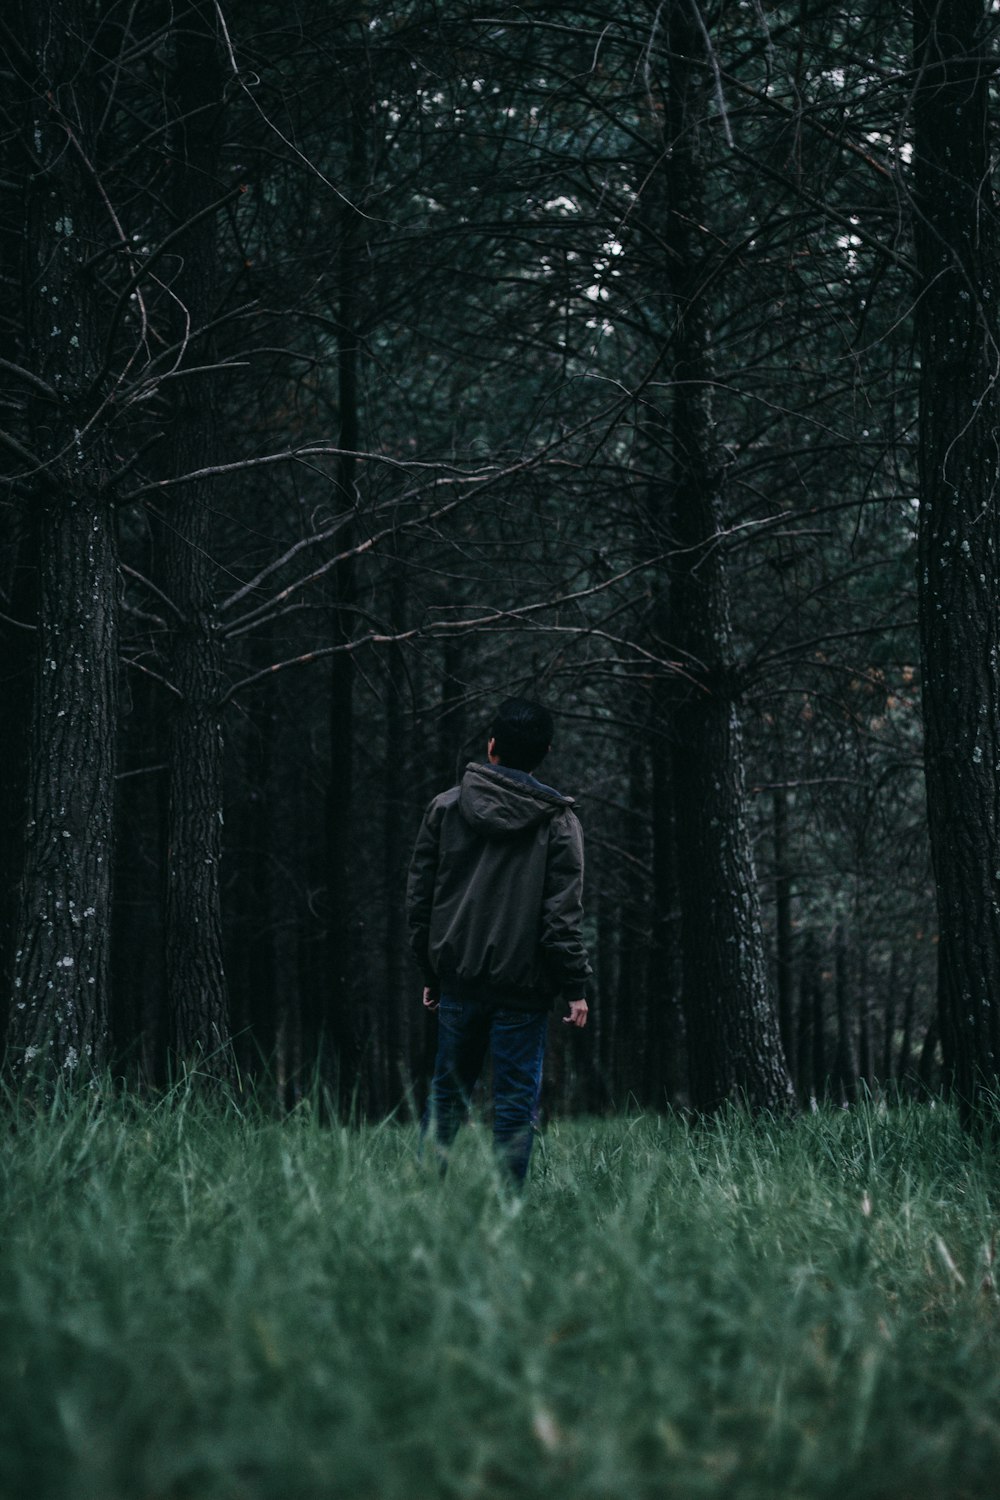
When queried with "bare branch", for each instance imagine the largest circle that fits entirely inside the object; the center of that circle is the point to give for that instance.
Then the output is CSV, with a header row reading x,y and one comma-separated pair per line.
x,y
30,378
148,583
131,661
18,624
8,441
289,455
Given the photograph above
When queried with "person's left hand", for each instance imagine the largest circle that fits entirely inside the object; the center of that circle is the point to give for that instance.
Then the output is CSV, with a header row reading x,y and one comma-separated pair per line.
x,y
577,1013
431,999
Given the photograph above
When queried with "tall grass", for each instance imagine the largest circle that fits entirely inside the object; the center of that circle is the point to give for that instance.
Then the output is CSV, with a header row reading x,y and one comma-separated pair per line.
x,y
203,1303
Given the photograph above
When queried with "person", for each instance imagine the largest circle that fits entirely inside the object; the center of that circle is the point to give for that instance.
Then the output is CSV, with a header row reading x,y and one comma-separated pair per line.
x,y
495,911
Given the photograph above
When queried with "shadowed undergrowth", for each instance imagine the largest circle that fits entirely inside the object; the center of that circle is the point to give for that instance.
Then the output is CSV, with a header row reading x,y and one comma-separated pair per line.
x,y
202,1303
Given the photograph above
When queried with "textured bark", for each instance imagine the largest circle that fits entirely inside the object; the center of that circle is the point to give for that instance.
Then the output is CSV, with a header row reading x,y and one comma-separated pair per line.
x,y
58,1022
734,1046
196,986
58,1019
959,542
18,588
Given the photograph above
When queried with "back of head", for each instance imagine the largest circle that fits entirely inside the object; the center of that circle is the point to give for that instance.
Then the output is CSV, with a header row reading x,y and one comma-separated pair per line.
x,y
522,733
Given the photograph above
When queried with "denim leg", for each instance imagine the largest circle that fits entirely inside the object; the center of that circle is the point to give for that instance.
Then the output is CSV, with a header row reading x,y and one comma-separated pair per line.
x,y
463,1039
517,1039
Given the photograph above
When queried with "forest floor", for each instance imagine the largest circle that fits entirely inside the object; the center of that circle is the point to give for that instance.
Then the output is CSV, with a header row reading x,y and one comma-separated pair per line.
x,y
197,1303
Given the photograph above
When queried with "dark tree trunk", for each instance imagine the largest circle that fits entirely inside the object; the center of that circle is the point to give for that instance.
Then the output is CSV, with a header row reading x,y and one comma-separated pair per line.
x,y
281,834
820,1064
606,1009
398,1001
335,1031
632,999
341,1029
866,1052
959,543
58,1023
139,1011
668,1048
196,985
19,591
845,1071
804,1067
927,1065
890,1012
734,1045
59,1014
18,582
906,1040
451,757
783,926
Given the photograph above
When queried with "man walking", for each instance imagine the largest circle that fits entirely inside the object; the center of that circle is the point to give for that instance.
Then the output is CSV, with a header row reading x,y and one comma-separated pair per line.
x,y
495,910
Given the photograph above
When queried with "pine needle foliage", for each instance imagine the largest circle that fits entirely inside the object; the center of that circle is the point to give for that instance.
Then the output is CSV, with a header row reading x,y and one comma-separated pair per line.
x,y
204,1303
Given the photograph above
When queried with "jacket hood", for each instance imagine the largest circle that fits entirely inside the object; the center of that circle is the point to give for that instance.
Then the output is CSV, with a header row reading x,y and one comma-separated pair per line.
x,y
498,801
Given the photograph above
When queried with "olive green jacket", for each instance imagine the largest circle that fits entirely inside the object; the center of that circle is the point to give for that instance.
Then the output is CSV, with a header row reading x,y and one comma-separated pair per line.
x,y
495,892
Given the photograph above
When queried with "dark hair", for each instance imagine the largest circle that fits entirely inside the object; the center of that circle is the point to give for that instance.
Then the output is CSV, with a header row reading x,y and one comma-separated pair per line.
x,y
522,733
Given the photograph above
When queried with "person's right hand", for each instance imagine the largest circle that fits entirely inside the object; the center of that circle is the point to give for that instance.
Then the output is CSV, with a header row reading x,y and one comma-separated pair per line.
x,y
431,1000
577,1013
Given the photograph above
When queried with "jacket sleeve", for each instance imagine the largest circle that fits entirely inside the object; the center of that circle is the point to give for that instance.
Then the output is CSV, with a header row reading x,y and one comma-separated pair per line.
x,y
562,909
420,890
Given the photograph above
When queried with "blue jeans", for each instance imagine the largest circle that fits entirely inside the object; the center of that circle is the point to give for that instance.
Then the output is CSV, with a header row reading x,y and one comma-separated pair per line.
x,y
515,1040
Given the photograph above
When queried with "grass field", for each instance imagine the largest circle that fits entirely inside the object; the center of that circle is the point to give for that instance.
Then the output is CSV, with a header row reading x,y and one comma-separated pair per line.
x,y
205,1304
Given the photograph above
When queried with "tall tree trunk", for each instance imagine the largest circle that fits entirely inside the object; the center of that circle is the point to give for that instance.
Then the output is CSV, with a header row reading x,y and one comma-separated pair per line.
x,y
820,1065
804,1065
866,1052
632,998
959,541
18,590
138,997
906,1040
342,1025
398,1001
62,955
280,837
734,1045
58,1023
928,1054
846,1070
889,1013
783,926
196,985
667,1044
18,583
452,719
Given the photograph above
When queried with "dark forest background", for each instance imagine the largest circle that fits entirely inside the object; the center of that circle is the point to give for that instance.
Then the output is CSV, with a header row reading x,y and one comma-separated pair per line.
x,y
364,365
